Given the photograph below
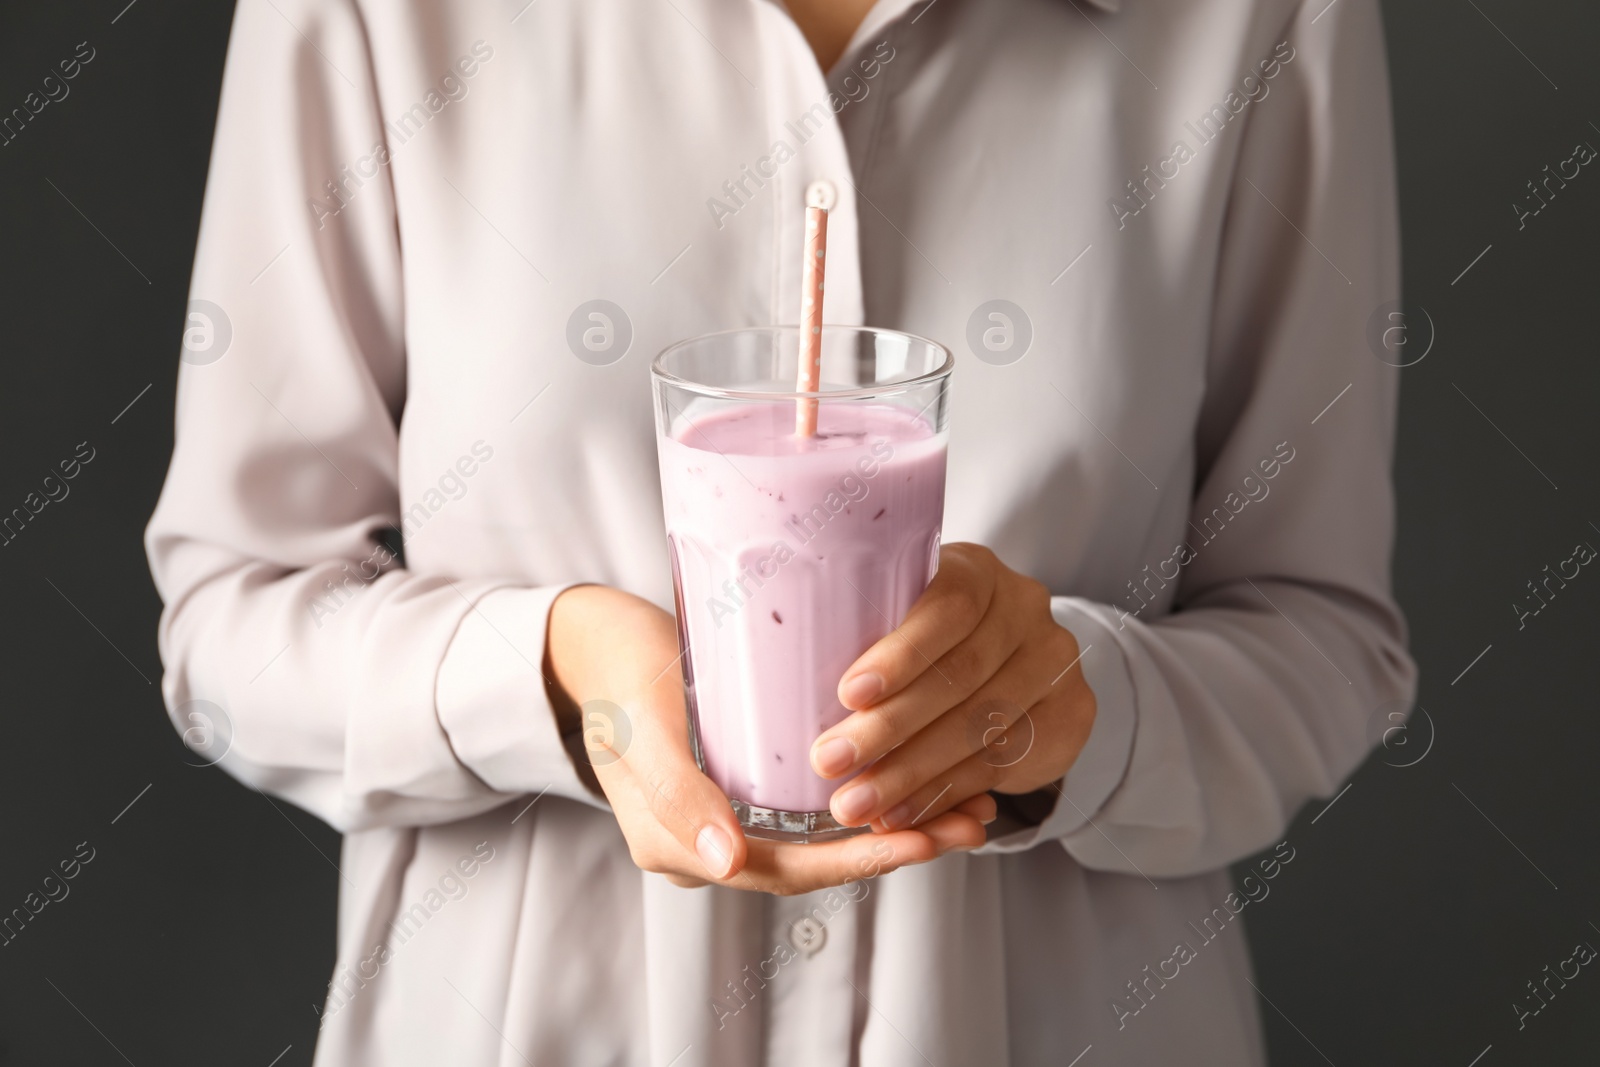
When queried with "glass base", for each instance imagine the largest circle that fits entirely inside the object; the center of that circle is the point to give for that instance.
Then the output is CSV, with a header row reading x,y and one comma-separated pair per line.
x,y
796,827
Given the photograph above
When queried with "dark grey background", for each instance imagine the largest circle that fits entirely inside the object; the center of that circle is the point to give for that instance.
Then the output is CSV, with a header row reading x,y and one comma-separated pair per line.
x,y
1418,904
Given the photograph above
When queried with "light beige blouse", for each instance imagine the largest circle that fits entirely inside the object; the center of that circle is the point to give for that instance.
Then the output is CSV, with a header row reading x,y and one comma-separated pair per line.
x,y
441,243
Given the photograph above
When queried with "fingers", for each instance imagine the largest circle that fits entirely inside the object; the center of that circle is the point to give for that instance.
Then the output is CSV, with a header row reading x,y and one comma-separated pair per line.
x,y
969,652
786,869
1034,751
678,823
971,778
865,736
979,727
981,807
663,778
694,811
948,610
955,832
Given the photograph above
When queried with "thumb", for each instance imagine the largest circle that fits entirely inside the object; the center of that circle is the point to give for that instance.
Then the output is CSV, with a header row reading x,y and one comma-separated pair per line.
x,y
686,803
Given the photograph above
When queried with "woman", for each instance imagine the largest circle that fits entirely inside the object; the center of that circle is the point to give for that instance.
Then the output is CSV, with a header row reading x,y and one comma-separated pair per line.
x,y
449,238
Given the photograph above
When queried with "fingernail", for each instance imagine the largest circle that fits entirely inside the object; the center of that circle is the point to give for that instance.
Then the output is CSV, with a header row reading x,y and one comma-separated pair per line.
x,y
853,804
834,756
958,848
895,816
715,850
861,690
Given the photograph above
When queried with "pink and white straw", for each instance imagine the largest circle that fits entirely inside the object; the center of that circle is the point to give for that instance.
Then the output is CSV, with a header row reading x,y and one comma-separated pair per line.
x,y
810,372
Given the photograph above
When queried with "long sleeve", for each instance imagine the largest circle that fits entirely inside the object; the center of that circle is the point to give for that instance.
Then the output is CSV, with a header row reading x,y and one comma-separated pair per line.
x,y
366,694
1218,720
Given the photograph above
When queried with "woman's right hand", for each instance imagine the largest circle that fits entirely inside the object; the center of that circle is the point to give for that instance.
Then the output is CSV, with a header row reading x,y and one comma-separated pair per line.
x,y
607,645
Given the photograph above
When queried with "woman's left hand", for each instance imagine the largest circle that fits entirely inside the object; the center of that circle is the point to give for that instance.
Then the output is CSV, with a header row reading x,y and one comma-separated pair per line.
x,y
978,689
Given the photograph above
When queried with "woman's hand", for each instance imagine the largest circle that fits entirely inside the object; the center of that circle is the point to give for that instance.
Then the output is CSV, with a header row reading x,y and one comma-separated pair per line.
x,y
978,689
616,655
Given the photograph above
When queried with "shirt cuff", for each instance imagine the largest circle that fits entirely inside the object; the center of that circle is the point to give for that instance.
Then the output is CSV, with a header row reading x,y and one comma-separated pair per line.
x,y
493,701
1100,767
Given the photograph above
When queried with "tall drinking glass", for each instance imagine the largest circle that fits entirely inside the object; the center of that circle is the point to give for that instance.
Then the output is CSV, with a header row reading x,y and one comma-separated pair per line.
x,y
792,555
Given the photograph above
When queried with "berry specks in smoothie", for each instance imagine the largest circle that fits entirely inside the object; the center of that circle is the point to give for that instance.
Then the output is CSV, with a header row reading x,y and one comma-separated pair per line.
x,y
857,437
777,618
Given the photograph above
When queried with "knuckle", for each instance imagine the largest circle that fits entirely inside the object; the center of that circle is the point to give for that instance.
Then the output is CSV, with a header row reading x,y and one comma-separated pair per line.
x,y
894,781
646,858
982,770
958,550
986,722
880,731
970,602
1025,590
977,721
974,553
914,787
965,664
1060,640
883,734
1063,645
1037,594
990,774
666,802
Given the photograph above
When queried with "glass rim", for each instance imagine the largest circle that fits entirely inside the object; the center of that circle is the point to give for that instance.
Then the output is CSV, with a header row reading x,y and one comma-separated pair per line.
x,y
945,368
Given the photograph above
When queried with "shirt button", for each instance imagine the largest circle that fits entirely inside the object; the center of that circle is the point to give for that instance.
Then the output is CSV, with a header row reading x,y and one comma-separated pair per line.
x,y
807,935
821,193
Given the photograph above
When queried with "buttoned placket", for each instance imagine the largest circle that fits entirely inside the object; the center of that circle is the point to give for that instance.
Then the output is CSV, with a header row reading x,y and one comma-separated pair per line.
x,y
829,147
812,1003
801,121
813,1009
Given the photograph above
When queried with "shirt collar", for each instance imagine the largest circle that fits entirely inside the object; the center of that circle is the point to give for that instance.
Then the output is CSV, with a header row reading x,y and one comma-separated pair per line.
x,y
886,11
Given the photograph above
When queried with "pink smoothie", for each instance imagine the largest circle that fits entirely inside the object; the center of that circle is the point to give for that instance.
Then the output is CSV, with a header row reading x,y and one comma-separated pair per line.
x,y
792,556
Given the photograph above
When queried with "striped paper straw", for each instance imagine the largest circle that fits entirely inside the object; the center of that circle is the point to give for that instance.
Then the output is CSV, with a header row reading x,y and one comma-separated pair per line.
x,y
805,413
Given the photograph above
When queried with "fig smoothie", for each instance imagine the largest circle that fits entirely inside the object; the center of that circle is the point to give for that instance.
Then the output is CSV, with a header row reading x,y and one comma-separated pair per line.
x,y
791,556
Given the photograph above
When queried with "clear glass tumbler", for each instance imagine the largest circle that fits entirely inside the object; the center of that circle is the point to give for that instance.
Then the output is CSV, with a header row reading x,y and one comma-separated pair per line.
x,y
792,555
